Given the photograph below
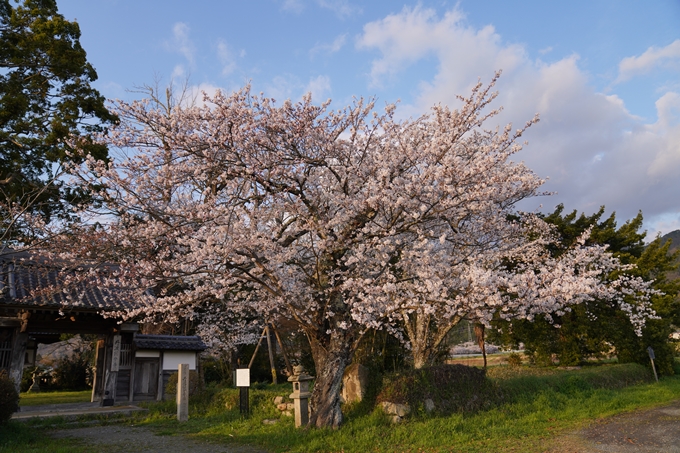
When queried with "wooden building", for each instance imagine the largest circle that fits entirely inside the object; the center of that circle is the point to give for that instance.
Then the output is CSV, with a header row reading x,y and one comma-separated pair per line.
x,y
137,367
35,308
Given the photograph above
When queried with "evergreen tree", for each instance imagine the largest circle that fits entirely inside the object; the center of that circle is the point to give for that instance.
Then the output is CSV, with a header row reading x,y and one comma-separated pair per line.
x,y
596,328
46,104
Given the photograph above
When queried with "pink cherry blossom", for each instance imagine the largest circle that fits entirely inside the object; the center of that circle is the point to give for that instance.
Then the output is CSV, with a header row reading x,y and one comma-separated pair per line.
x,y
341,220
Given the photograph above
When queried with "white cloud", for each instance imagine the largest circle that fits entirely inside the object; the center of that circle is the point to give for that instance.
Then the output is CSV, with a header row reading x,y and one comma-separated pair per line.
x,y
342,8
289,86
667,160
296,6
226,57
283,87
329,48
663,224
649,60
181,43
178,73
592,149
195,94
464,53
319,87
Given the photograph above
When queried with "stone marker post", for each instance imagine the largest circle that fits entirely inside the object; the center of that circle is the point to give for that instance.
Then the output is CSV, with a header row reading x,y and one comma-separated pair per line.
x,y
112,368
300,395
183,392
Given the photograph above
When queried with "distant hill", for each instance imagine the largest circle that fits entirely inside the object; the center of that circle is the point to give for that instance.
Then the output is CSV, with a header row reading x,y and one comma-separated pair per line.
x,y
674,236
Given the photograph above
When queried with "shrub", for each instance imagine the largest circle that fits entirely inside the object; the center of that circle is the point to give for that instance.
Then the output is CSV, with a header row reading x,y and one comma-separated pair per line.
x,y
452,388
216,370
27,378
71,373
381,352
514,359
194,383
9,398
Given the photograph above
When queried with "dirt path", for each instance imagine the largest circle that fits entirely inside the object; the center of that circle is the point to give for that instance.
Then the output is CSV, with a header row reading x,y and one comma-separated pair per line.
x,y
652,430
126,439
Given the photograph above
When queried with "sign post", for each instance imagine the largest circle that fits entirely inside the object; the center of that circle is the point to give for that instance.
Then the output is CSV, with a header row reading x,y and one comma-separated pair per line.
x,y
243,383
650,351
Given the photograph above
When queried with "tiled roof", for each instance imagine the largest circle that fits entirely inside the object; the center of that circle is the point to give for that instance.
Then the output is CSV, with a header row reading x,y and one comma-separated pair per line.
x,y
23,276
169,342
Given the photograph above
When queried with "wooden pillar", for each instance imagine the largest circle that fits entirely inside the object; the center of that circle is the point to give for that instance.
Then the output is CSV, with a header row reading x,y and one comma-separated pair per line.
x,y
98,380
183,392
271,354
16,367
131,391
161,390
289,368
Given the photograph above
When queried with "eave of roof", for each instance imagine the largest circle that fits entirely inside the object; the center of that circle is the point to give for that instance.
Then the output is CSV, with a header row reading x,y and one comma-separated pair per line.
x,y
169,342
30,282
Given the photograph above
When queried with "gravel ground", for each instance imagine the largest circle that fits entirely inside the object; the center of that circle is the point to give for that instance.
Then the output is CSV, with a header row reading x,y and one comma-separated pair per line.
x,y
126,439
653,430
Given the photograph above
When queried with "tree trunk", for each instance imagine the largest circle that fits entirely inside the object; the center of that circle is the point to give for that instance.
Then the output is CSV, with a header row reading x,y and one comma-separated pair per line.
x,y
426,336
479,335
421,357
330,360
418,330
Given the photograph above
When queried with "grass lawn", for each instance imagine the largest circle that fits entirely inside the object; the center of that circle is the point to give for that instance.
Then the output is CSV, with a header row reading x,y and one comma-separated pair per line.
x,y
542,405
538,406
42,398
22,437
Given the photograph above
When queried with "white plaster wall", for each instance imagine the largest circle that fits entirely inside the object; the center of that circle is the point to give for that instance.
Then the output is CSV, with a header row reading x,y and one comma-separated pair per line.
x,y
172,359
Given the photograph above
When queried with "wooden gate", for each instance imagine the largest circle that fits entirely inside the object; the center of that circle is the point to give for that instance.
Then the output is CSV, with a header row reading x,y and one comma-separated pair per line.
x,y
146,378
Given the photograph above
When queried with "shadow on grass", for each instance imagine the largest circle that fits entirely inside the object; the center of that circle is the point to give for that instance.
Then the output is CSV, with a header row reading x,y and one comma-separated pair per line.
x,y
22,437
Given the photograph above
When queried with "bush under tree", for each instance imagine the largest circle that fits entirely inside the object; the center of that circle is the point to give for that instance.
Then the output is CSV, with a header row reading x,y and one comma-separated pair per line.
x,y
9,398
452,388
72,373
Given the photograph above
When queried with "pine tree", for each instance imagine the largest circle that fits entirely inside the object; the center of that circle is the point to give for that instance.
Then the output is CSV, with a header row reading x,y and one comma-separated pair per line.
x,y
47,104
597,328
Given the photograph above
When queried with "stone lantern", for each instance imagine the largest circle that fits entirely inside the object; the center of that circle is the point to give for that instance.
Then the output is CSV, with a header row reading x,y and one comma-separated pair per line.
x,y
300,395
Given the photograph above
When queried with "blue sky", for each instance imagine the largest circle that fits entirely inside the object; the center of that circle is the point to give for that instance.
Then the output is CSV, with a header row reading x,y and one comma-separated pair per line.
x,y
604,75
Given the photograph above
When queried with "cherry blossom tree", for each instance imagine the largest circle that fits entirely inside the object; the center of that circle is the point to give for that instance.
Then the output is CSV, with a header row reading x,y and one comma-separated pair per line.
x,y
522,283
342,221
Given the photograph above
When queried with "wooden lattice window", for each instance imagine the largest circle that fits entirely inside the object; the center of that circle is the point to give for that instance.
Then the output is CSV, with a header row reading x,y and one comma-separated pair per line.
x,y
5,348
125,354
